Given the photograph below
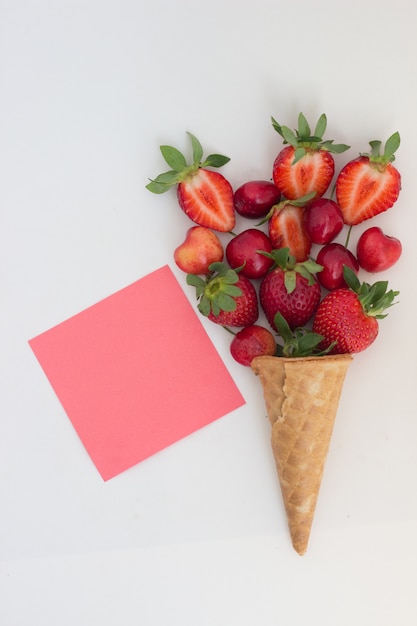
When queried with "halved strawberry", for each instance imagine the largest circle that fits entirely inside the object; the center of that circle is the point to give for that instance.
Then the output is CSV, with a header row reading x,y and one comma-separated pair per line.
x,y
286,227
205,196
226,297
369,184
306,164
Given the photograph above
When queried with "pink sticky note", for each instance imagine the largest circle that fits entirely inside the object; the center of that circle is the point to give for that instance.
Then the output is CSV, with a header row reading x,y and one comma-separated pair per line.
x,y
136,372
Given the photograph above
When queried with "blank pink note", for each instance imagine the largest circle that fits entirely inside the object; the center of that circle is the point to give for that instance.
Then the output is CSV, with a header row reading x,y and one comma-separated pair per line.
x,y
136,372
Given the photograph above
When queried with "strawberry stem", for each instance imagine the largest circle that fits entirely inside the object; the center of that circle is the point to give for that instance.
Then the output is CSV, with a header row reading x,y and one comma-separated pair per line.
x,y
388,156
348,237
218,291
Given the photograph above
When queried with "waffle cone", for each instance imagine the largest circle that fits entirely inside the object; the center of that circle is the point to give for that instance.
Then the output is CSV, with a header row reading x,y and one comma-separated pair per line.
x,y
301,397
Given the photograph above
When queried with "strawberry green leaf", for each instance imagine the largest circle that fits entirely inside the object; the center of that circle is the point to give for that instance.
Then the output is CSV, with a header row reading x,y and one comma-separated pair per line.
x,y
289,136
301,342
231,290
307,342
305,140
299,153
197,148
302,200
321,126
311,266
378,290
163,182
391,146
374,299
281,257
215,160
195,281
290,280
174,158
227,274
375,148
198,283
308,269
156,187
335,148
225,302
204,306
276,126
303,126
351,279
283,328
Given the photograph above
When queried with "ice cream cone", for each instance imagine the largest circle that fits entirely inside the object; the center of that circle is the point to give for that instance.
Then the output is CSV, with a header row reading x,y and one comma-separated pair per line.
x,y
301,398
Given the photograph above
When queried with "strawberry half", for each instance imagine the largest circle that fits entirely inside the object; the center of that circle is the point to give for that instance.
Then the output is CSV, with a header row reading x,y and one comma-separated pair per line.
x,y
348,317
369,184
226,297
286,227
291,289
306,165
204,195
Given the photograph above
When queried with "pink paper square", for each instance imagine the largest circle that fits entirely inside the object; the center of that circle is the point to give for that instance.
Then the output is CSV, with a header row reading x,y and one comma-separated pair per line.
x,y
136,372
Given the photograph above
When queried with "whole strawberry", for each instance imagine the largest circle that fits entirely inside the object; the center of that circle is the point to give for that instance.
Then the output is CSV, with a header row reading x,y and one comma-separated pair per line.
x,y
291,289
225,297
369,184
205,196
348,317
306,165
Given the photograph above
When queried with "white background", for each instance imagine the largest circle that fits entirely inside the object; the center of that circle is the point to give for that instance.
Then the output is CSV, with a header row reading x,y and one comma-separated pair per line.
x,y
196,535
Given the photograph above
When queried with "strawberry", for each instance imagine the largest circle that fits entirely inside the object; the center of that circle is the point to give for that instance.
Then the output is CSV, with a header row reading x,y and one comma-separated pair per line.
x,y
290,288
348,317
286,227
369,184
306,165
226,297
204,195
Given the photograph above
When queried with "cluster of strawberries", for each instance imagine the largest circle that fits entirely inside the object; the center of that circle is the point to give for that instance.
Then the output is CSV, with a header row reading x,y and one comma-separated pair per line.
x,y
313,306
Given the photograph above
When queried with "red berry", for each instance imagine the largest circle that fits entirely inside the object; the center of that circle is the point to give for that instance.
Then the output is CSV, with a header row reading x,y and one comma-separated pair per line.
x,y
333,257
250,342
200,248
242,251
255,198
376,251
323,220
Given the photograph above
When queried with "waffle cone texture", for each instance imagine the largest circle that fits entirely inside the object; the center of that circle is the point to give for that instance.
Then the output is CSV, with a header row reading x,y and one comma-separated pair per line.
x,y
301,397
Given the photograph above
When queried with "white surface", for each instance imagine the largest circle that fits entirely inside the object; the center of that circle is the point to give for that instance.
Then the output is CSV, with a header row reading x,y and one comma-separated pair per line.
x,y
196,534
